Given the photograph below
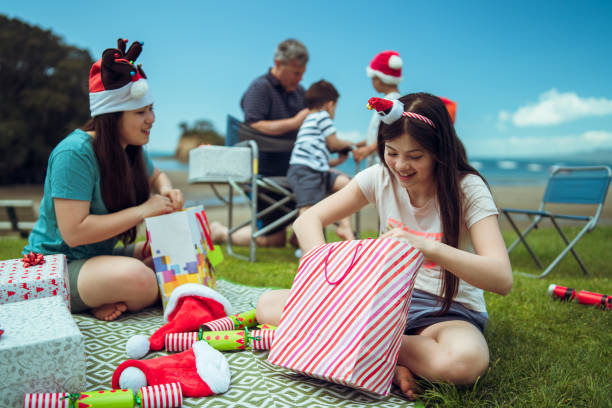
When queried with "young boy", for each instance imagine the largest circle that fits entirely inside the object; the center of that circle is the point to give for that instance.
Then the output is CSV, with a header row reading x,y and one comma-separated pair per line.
x,y
385,70
309,172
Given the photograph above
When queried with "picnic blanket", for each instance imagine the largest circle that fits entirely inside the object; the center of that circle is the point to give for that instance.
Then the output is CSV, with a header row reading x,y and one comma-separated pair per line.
x,y
255,383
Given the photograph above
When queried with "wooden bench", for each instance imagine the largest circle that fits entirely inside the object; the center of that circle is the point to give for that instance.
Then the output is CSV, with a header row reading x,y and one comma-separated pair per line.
x,y
17,216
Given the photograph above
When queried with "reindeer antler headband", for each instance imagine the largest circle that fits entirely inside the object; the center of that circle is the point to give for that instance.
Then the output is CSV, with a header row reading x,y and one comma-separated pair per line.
x,y
392,110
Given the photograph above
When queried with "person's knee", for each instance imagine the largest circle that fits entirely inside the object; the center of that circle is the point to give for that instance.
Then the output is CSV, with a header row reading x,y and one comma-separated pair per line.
x,y
139,278
269,307
340,182
461,366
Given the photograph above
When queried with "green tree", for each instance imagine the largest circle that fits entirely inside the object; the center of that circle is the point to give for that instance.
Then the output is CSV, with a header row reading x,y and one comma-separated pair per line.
x,y
202,132
43,96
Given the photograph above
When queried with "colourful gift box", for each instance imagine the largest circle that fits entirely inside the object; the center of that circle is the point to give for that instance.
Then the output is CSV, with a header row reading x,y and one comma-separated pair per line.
x,y
19,283
346,312
41,350
181,248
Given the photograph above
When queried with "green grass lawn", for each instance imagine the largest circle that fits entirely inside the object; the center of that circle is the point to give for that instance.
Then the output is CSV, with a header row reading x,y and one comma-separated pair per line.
x,y
544,353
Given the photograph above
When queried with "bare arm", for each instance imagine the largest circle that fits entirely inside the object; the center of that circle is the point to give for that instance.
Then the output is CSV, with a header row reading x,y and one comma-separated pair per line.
x,y
488,268
280,126
78,227
160,182
309,226
362,152
335,144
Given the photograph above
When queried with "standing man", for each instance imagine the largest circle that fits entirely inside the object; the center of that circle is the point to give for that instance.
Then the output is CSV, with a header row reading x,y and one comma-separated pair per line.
x,y
273,104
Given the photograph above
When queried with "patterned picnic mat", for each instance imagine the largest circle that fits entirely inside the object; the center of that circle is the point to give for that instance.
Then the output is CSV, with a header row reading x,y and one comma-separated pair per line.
x,y
255,383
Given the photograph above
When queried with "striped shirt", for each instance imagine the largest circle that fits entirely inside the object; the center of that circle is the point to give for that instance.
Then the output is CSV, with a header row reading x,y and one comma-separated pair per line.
x,y
310,149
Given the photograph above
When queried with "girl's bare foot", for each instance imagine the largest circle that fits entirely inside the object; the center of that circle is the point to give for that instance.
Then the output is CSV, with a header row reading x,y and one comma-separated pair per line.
x,y
218,232
403,378
345,232
109,311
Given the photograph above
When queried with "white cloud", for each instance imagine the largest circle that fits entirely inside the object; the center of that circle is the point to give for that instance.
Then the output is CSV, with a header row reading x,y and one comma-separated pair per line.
x,y
554,108
543,145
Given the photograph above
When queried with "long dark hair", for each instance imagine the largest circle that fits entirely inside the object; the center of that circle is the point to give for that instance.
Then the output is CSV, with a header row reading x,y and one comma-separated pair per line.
x,y
451,165
123,178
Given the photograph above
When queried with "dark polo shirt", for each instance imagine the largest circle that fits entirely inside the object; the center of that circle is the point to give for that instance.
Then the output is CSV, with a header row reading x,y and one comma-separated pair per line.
x,y
266,99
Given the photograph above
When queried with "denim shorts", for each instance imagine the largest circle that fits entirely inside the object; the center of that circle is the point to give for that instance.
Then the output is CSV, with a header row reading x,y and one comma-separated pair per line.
x,y
74,268
424,309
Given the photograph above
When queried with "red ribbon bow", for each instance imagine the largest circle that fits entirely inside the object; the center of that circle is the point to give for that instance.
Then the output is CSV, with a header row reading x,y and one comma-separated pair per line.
x,y
32,259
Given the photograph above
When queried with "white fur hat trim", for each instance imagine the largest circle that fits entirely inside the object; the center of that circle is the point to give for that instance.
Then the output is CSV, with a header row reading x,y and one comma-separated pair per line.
x,y
195,289
212,367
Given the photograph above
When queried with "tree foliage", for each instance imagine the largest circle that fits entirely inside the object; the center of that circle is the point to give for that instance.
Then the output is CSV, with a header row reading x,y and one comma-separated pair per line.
x,y
202,132
43,97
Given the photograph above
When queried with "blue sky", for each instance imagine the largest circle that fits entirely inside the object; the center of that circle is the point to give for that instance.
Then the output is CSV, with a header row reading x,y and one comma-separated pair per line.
x,y
530,78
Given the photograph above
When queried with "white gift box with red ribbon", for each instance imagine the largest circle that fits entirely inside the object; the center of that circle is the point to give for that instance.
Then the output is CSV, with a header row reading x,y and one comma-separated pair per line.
x,y
19,283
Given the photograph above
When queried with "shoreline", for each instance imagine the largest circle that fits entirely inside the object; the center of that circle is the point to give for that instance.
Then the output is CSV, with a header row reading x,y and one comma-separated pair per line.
x,y
505,196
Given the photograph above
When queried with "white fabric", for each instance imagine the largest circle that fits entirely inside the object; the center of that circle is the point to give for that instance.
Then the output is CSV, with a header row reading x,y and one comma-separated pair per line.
x,y
382,189
212,367
373,131
195,289
117,100
387,79
310,148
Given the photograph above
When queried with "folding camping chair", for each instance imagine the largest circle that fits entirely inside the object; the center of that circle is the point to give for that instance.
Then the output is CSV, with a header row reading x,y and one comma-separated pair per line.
x,y
246,143
566,186
237,166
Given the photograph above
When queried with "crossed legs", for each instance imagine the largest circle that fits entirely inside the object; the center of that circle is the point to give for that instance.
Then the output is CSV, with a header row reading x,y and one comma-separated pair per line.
x,y
453,351
110,285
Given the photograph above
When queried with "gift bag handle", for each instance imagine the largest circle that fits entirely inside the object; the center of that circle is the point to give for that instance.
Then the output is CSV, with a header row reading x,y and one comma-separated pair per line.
x,y
199,216
347,269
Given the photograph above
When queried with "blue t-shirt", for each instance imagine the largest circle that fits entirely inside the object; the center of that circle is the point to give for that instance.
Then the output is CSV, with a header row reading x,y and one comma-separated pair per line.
x,y
72,173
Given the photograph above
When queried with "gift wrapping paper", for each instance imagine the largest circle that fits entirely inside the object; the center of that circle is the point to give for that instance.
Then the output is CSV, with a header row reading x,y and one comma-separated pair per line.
x,y
41,350
346,312
18,283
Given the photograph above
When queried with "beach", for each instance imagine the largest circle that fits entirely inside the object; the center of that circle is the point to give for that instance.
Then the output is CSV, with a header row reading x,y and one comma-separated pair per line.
x,y
506,196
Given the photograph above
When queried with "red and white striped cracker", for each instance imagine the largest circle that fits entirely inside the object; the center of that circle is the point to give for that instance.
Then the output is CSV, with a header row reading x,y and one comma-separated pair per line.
x,y
348,333
161,396
262,339
180,341
222,324
48,400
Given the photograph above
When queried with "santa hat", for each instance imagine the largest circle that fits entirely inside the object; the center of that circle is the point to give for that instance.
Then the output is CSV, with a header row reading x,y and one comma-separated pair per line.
x,y
451,107
202,371
387,66
116,84
190,306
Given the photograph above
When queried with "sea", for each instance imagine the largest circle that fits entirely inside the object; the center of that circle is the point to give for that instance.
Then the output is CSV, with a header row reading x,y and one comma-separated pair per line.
x,y
497,171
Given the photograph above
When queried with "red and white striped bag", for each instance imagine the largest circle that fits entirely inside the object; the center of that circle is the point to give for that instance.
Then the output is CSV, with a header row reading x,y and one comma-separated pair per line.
x,y
346,312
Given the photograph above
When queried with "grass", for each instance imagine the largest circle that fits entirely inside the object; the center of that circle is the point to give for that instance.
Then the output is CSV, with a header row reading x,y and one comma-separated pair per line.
x,y
544,353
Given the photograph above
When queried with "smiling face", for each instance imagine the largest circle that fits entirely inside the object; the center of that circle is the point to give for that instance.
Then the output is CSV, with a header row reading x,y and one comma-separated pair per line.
x,y
135,126
410,163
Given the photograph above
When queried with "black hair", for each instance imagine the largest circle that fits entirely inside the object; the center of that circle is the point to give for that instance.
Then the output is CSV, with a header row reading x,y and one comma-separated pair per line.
x,y
451,165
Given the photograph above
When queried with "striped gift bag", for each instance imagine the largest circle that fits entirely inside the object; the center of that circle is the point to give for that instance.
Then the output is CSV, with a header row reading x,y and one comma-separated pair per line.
x,y
346,312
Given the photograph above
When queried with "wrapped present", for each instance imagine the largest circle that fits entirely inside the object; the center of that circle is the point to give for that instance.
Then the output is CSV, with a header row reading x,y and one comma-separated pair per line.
x,y
41,350
182,250
21,280
346,312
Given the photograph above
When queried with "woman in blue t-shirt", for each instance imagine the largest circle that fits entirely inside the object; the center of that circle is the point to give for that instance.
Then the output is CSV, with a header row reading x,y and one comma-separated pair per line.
x,y
98,189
